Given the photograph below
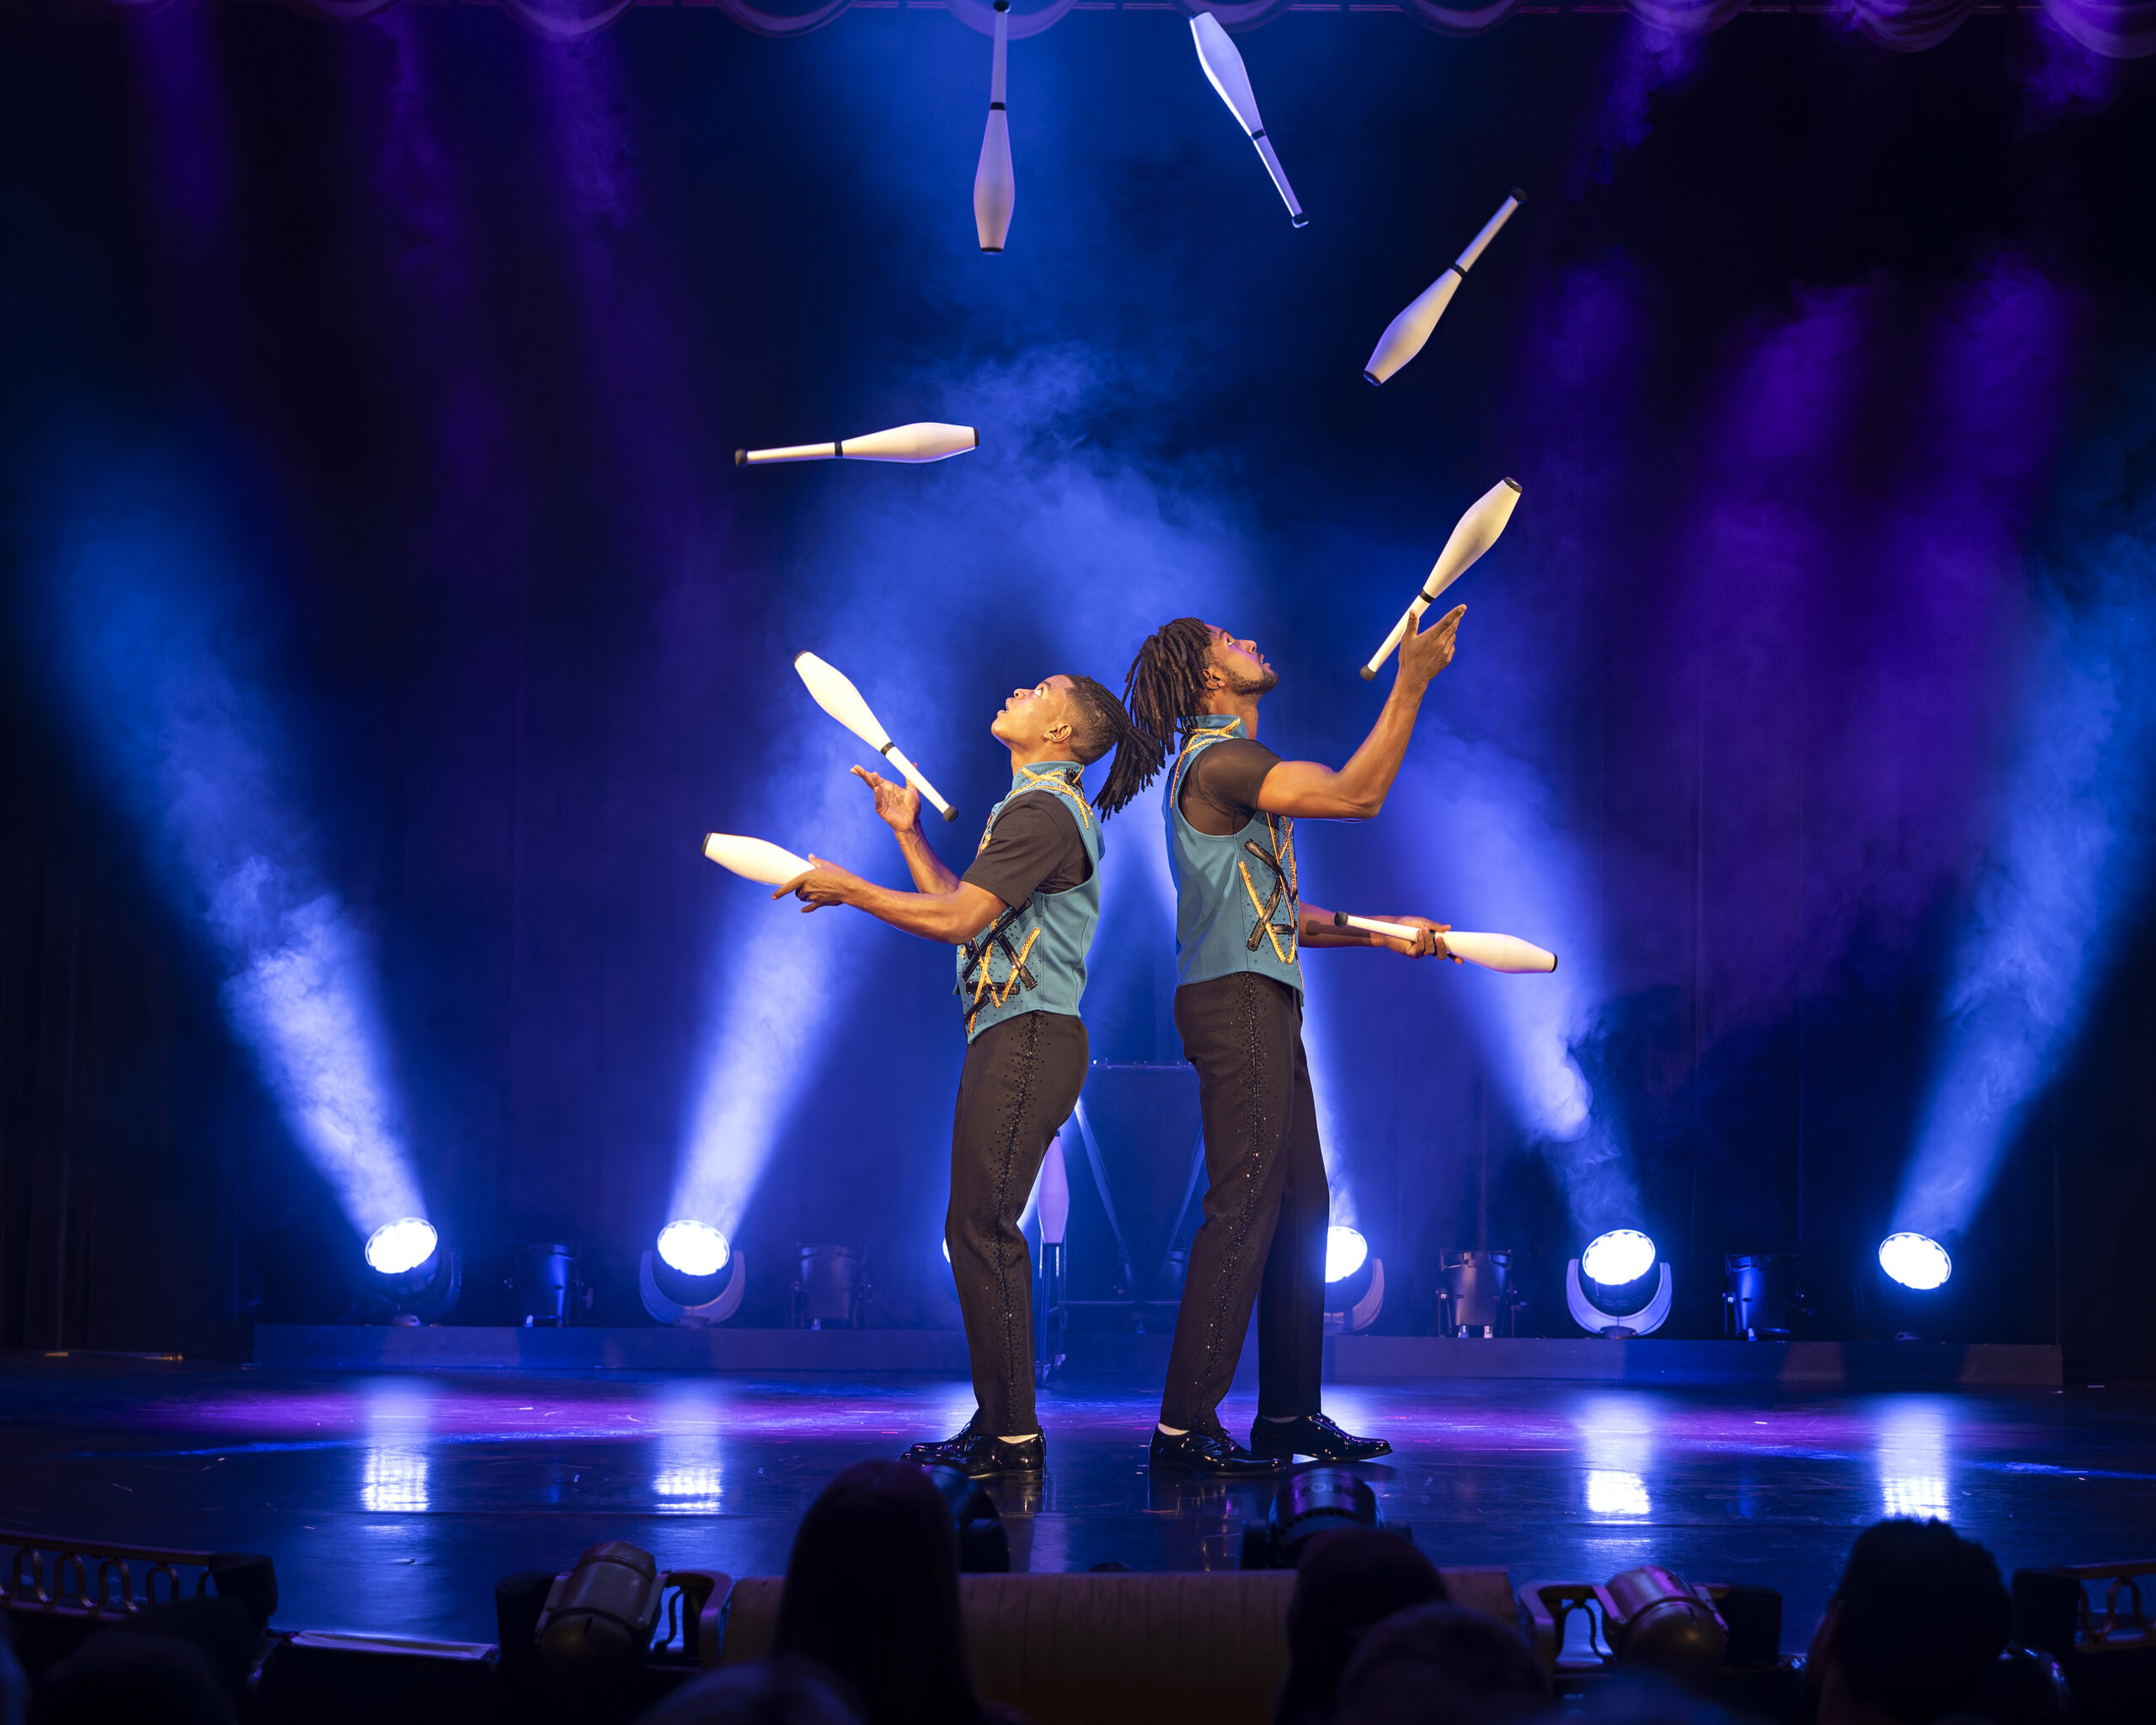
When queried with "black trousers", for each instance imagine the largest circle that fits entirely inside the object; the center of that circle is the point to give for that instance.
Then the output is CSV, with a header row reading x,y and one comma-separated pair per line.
x,y
1267,1206
1021,1079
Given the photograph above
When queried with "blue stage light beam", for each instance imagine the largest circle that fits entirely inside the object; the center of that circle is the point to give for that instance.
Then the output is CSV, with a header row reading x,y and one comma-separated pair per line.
x,y
1494,854
2069,855
149,626
777,977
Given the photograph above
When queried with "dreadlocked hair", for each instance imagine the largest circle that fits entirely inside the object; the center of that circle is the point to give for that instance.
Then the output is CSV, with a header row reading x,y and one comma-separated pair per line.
x,y
1101,724
1163,692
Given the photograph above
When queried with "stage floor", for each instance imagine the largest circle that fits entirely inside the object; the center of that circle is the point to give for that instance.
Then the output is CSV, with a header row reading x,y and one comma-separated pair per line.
x,y
391,1503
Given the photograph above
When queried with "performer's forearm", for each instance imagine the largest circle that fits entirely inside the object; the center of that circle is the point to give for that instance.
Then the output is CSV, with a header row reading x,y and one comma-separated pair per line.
x,y
1316,930
927,868
949,918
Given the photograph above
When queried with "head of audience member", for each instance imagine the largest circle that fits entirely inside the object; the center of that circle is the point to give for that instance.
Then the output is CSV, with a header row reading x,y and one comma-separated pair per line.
x,y
872,1593
219,1629
1437,1664
118,1674
1346,1580
767,1692
1914,1629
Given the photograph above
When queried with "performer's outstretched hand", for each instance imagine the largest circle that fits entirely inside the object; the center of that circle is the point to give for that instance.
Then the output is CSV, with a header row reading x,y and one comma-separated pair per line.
x,y
826,884
1425,652
899,804
1428,943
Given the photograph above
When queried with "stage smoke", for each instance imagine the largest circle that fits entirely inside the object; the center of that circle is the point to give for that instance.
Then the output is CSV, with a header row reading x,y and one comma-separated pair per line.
x,y
1499,857
777,974
150,631
2068,858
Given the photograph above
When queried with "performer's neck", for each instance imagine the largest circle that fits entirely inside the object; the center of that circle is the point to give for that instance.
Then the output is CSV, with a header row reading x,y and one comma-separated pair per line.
x,y
1228,704
1039,753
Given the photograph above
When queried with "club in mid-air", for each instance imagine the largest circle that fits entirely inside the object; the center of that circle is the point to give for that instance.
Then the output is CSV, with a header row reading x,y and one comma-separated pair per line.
x,y
1475,532
1507,953
755,859
995,189
925,442
1224,71
1404,336
835,692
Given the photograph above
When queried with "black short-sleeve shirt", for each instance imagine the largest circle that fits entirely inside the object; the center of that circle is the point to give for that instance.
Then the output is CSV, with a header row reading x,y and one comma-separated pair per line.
x,y
1034,848
1220,786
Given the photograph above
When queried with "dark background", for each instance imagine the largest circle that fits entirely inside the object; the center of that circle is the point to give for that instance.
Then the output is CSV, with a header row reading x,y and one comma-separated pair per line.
x,y
449,334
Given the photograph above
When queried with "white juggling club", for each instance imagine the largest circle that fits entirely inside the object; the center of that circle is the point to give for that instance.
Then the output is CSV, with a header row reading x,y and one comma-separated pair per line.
x,y
1224,71
755,859
995,190
926,441
1493,952
835,692
1476,533
1404,336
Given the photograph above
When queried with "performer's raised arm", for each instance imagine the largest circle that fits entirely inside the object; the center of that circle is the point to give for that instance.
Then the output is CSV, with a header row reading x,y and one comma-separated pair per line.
x,y
899,806
1357,791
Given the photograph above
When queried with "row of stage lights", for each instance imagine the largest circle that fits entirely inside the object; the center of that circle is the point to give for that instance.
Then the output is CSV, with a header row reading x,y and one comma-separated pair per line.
x,y
399,1248
684,1283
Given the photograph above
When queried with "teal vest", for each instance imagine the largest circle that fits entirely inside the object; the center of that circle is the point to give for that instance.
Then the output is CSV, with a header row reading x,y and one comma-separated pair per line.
x,y
1236,904
1032,959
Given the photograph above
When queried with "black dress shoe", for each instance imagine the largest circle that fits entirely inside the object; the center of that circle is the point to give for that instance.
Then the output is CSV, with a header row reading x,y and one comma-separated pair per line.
x,y
945,1452
1212,1452
988,1456
1316,1436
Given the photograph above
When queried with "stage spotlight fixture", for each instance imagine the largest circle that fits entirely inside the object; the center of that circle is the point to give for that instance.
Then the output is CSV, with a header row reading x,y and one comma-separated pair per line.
x,y
1310,1501
687,1297
1915,1261
1615,1262
1344,1251
693,1248
598,1624
1660,1623
416,1279
1620,1256
1354,1282
1762,1301
1474,1297
545,1275
397,1248
832,1288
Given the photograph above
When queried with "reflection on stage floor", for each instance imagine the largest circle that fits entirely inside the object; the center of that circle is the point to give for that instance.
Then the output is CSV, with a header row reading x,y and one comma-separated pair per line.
x,y
393,1502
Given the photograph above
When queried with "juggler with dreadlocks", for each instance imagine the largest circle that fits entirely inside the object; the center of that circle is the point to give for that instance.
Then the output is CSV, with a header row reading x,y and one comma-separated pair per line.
x,y
1022,919
1241,923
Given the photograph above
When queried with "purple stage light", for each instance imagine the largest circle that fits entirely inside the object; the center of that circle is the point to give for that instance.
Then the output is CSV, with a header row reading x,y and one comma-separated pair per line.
x,y
396,1248
2066,862
694,1248
1620,1256
1915,1261
1345,1252
152,644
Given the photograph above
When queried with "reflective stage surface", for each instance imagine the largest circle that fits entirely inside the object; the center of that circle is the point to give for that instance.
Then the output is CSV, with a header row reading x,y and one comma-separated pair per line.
x,y
393,1502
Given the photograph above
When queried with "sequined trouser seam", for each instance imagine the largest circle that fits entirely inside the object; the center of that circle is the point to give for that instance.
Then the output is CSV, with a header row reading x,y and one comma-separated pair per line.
x,y
1265,1204
1021,1079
